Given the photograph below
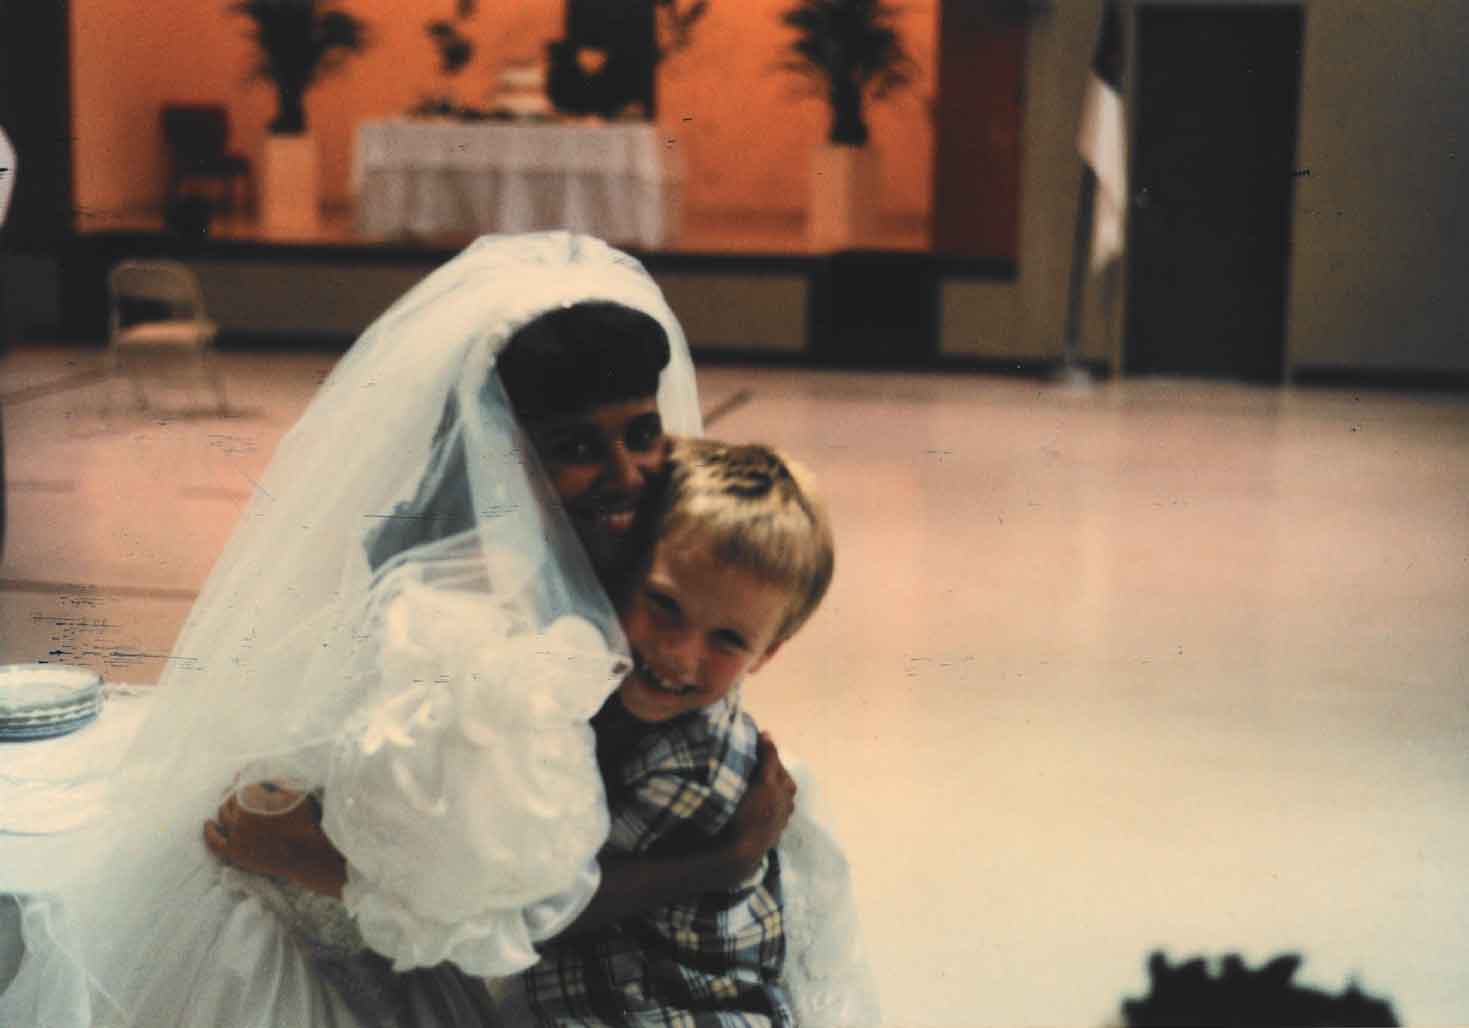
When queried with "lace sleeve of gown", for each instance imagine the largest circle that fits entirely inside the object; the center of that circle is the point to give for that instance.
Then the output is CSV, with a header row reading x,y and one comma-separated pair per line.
x,y
466,797
826,969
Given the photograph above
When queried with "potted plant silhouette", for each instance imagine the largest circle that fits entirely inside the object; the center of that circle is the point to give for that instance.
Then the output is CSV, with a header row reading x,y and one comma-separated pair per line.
x,y
455,51
299,41
851,51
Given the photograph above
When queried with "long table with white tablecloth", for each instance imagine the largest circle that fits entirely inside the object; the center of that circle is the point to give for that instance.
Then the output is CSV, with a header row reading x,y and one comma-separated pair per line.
x,y
423,177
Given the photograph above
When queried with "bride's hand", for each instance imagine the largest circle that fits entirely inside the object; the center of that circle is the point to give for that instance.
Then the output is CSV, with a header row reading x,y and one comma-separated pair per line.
x,y
286,842
767,806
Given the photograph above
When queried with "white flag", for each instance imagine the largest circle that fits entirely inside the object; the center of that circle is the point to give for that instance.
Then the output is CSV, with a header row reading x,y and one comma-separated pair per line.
x,y
1102,139
7,174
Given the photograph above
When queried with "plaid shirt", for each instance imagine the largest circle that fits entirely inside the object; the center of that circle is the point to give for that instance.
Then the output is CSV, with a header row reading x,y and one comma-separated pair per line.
x,y
713,962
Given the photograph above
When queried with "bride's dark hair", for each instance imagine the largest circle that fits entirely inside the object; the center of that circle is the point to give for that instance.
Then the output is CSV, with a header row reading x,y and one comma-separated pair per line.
x,y
572,359
561,363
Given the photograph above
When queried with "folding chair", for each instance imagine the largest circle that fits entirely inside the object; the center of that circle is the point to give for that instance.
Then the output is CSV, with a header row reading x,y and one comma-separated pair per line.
x,y
158,308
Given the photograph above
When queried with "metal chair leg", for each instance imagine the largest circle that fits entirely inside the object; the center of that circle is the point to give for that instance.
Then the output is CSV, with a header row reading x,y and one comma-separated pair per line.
x,y
140,397
210,369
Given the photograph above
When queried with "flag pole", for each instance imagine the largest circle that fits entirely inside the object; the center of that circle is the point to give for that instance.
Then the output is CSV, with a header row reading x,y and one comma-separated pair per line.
x,y
1101,141
1072,371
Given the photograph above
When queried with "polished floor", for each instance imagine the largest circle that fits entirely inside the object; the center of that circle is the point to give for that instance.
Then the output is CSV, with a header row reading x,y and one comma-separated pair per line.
x,y
1151,665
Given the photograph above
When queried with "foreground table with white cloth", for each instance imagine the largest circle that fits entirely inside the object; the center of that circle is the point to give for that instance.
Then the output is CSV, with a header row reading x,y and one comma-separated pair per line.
x,y
424,177
50,793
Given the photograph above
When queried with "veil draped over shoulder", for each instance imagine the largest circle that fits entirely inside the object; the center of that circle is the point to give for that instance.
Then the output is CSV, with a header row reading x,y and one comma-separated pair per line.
x,y
436,695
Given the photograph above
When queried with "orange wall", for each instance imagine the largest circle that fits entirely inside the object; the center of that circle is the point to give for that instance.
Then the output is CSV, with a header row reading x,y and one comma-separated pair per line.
x,y
744,126
747,126
124,68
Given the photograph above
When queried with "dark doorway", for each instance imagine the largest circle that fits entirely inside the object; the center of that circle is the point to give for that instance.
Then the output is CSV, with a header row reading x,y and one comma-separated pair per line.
x,y
35,108
35,112
1213,173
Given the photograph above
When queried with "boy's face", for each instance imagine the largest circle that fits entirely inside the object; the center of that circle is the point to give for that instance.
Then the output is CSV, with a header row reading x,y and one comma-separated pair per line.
x,y
601,463
696,627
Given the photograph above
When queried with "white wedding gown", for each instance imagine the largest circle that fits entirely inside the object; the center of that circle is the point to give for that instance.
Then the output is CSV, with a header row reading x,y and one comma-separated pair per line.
x,y
437,705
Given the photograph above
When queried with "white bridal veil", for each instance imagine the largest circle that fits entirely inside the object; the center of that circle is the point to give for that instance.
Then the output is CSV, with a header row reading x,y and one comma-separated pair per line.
x,y
412,693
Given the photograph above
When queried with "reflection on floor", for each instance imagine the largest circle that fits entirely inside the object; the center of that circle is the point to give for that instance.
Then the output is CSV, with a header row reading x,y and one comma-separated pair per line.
x,y
1158,665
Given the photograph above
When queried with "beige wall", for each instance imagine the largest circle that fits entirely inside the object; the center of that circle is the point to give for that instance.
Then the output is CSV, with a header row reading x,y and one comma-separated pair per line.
x,y
1028,319
743,127
1380,271
1380,250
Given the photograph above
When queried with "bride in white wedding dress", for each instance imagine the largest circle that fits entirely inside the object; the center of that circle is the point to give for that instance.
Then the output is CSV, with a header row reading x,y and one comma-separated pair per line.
x,y
420,674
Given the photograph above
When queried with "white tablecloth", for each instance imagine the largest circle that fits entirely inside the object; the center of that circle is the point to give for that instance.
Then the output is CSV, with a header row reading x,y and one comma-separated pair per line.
x,y
425,177
50,792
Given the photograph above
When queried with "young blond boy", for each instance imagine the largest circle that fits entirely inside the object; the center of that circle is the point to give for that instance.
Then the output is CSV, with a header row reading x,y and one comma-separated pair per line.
x,y
743,556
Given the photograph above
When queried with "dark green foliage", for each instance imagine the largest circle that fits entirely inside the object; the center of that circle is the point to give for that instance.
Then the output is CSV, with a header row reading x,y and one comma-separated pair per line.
x,y
676,23
454,47
300,41
852,50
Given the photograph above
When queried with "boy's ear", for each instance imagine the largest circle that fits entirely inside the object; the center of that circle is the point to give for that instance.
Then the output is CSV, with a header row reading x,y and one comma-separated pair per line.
x,y
765,659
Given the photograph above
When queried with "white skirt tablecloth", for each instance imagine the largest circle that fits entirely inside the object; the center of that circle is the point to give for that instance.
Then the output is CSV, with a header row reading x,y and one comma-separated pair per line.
x,y
426,177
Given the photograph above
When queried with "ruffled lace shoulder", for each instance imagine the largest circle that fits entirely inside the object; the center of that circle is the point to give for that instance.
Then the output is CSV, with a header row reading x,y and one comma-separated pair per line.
x,y
466,795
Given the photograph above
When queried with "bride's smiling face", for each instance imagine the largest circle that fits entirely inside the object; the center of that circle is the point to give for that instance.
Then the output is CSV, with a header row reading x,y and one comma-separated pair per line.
x,y
601,463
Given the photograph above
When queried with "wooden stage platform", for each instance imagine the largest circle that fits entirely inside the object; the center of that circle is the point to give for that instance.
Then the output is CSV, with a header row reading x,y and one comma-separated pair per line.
x,y
744,289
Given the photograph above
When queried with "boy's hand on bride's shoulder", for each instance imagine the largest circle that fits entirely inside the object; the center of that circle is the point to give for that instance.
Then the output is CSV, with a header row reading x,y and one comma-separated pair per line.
x,y
276,832
767,806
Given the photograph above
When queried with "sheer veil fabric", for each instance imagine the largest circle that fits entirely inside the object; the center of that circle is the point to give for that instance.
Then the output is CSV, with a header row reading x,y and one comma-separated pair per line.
x,y
404,623
438,701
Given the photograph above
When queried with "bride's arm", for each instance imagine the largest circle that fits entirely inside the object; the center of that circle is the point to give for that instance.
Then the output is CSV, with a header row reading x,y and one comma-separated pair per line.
x,y
289,845
293,846
634,885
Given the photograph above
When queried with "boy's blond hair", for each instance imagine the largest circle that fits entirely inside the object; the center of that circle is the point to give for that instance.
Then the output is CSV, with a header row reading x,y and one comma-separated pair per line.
x,y
760,513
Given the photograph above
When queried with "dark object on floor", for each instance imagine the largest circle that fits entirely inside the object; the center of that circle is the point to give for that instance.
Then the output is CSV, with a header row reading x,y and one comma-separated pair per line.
x,y
1188,995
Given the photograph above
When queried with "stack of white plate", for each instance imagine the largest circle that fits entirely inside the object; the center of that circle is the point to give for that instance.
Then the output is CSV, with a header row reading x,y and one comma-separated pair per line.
x,y
40,701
